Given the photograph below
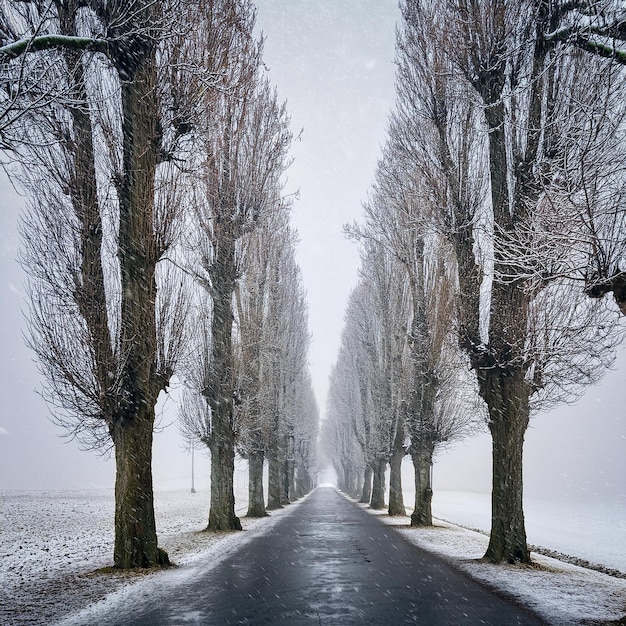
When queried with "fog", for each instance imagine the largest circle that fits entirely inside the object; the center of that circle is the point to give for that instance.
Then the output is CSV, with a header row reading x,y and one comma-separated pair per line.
x,y
333,62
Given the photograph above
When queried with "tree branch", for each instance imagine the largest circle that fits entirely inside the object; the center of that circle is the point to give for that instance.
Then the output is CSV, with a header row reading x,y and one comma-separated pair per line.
x,y
47,42
582,37
603,50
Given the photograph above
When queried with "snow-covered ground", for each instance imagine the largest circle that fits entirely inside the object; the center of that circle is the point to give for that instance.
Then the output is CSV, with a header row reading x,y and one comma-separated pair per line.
x,y
561,593
52,544
593,531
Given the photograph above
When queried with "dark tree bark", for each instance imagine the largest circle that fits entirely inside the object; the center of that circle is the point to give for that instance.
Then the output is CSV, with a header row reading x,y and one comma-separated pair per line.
x,y
501,374
91,295
396,499
135,527
422,457
366,493
135,540
508,420
378,487
222,385
256,498
499,364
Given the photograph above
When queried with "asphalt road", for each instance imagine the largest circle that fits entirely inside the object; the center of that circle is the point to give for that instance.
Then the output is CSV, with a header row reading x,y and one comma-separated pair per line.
x,y
329,562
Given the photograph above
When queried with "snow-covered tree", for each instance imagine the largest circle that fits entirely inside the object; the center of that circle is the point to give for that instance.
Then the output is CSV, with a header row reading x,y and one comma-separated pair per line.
x,y
276,411
422,266
287,343
91,130
241,157
490,114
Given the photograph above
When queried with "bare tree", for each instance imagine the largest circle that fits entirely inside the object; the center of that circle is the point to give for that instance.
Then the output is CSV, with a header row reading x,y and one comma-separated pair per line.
x,y
252,307
241,158
388,299
340,442
367,383
287,383
496,70
306,431
261,349
400,220
104,323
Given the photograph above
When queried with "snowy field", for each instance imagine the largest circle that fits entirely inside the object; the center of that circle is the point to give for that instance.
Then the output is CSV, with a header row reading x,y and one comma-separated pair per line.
x,y
593,532
52,543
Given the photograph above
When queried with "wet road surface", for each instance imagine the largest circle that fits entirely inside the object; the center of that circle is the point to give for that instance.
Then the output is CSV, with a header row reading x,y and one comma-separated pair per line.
x,y
330,562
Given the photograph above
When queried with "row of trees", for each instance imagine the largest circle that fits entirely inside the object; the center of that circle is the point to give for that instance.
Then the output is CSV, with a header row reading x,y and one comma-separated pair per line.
x,y
151,147
500,199
273,413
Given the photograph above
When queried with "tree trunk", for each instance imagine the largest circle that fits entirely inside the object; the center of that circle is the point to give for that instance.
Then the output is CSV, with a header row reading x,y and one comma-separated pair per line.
x,y
274,485
131,427
366,494
422,458
356,484
302,481
256,498
222,510
509,416
307,482
91,296
222,386
500,370
290,469
378,488
396,498
285,482
135,527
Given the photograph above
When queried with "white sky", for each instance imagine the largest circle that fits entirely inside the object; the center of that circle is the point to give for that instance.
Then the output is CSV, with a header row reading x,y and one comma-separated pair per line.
x,y
332,60
333,63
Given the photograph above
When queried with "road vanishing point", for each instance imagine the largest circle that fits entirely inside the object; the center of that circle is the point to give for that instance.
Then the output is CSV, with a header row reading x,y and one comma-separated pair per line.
x,y
326,562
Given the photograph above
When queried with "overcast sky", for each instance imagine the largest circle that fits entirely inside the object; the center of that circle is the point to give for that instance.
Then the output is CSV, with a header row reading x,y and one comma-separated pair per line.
x,y
332,60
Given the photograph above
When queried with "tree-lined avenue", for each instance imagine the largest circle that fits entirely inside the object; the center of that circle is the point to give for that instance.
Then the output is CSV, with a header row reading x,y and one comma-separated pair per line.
x,y
327,562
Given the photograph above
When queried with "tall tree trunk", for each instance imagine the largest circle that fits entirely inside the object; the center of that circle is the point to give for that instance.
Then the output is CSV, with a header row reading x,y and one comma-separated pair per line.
x,y
507,399
366,493
422,457
91,296
274,484
344,479
136,541
500,369
256,498
221,388
351,482
298,491
302,480
285,482
396,498
135,527
306,481
222,510
378,487
288,479
357,485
